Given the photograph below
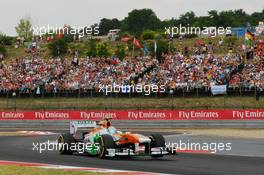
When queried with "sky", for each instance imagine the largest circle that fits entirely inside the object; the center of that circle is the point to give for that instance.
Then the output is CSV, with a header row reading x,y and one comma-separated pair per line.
x,y
87,12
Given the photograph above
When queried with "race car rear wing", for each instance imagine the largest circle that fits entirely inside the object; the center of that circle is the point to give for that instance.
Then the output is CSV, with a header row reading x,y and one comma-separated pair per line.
x,y
76,125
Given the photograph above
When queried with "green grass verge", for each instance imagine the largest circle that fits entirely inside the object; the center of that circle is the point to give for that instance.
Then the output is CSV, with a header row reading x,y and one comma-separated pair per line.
x,y
20,170
132,103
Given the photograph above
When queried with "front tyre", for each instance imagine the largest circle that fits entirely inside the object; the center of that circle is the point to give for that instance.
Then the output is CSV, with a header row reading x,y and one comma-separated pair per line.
x,y
157,140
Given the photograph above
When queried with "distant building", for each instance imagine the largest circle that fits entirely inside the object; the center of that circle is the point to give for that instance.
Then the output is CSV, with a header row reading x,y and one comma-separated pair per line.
x,y
113,34
260,28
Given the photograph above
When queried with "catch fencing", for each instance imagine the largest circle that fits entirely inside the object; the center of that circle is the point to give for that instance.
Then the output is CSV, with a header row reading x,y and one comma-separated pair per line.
x,y
85,100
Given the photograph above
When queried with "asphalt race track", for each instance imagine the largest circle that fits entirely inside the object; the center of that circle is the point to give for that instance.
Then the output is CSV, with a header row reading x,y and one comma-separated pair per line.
x,y
20,148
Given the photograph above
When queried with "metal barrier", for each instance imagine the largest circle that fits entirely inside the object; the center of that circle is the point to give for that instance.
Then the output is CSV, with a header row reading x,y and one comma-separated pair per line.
x,y
77,100
178,92
125,124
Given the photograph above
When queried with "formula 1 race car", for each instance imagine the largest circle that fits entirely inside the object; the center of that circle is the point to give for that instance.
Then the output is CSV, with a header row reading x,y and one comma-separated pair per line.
x,y
103,140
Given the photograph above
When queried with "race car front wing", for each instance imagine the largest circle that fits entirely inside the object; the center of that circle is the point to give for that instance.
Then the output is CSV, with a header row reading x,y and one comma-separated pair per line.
x,y
131,152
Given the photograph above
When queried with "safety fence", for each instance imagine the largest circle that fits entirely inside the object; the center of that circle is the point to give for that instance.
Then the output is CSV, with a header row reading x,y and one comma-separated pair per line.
x,y
196,98
188,91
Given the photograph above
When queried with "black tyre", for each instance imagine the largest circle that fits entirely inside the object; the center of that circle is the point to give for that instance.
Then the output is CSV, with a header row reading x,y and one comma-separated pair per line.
x,y
157,140
66,140
106,141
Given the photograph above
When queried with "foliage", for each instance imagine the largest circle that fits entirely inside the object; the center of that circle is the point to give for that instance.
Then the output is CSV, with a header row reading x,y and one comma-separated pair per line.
x,y
229,18
102,49
123,33
3,50
106,24
120,51
148,35
68,37
158,36
24,29
187,18
6,40
80,47
162,47
91,44
58,47
139,20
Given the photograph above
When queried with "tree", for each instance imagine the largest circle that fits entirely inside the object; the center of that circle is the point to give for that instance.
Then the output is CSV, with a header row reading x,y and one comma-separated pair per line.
x,y
187,18
68,36
3,50
255,17
162,47
214,17
91,48
58,47
120,51
24,29
102,49
140,20
6,40
106,24
148,35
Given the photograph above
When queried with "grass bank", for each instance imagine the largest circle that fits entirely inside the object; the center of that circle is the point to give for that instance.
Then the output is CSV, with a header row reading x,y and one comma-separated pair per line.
x,y
131,103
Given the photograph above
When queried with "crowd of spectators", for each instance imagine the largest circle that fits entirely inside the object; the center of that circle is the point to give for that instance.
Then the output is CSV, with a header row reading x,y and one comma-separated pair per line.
x,y
53,75
251,76
174,71
195,71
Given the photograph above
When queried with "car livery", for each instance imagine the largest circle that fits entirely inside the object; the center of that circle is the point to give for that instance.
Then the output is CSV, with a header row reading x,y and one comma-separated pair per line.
x,y
104,140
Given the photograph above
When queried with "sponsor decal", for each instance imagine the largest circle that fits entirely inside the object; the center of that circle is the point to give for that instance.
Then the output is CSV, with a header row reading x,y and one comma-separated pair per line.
x,y
12,115
52,115
97,115
257,114
146,115
198,115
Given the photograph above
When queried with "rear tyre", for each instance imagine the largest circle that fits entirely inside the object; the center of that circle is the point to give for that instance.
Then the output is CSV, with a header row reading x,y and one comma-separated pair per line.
x,y
106,142
157,140
65,141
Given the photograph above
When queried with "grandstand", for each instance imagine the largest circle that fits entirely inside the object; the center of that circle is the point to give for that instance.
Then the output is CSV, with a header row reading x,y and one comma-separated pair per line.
x,y
76,86
177,72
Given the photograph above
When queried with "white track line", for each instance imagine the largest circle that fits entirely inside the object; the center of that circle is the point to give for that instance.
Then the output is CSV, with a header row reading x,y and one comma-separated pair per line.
x,y
36,132
90,169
